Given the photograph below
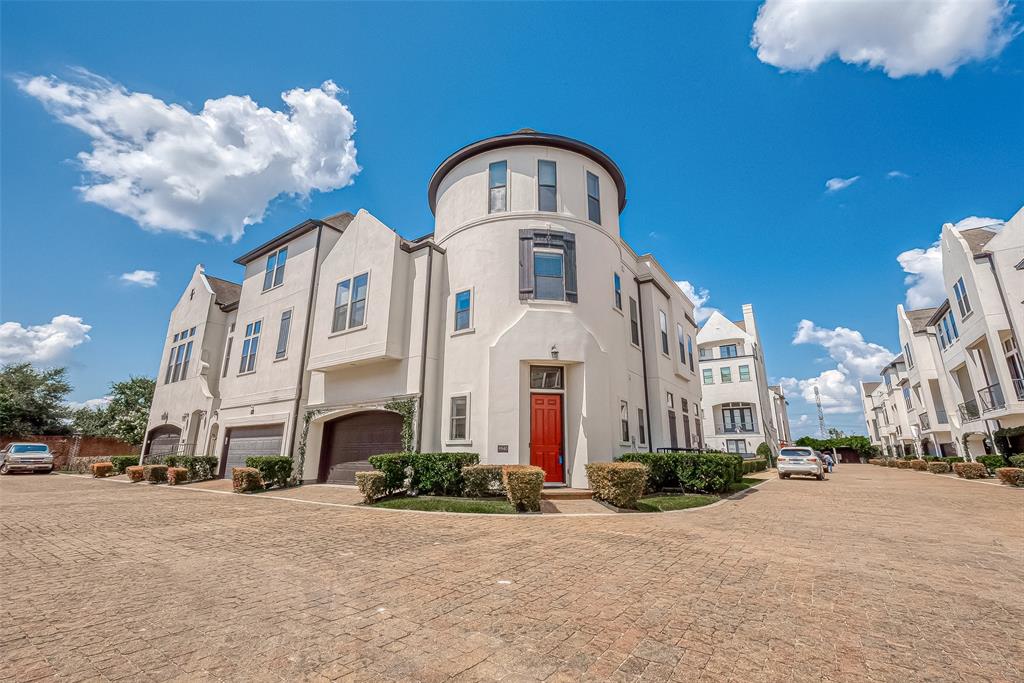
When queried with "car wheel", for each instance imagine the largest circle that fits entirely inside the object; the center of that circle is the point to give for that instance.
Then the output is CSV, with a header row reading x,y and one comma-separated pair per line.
x,y
781,475
4,469
821,477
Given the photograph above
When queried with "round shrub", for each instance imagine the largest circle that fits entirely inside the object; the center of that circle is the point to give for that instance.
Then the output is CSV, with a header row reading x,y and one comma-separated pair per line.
x,y
372,485
135,473
482,480
992,462
1012,476
275,470
970,470
919,465
245,479
618,483
102,469
938,467
523,486
177,475
903,464
154,474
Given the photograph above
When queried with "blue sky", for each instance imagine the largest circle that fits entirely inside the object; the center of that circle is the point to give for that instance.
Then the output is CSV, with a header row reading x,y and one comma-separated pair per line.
x,y
726,155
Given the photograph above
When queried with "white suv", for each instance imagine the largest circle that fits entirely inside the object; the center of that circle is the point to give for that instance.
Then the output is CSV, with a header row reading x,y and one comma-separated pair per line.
x,y
798,460
28,457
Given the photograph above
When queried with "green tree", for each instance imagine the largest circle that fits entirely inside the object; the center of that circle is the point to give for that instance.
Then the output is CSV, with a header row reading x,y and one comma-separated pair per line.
x,y
91,421
128,411
32,401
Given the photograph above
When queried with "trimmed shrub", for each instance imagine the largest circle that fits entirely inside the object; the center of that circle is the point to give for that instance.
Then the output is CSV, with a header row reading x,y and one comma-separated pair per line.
x,y
952,459
891,462
482,480
700,472
275,470
930,458
938,467
102,469
438,474
992,462
154,474
135,473
199,466
661,473
764,451
244,479
903,464
919,465
171,460
618,483
123,462
970,470
176,475
756,465
1017,460
1012,476
523,485
371,485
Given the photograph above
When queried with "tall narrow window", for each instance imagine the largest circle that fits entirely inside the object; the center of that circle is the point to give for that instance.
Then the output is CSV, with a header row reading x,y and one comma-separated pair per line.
x,y
341,296
909,356
459,426
744,373
709,376
664,331
274,274
689,350
497,187
549,274
634,323
282,335
170,362
961,298
641,427
188,357
250,346
593,198
547,186
227,357
681,338
463,310
726,375
624,421
670,400
179,356
617,284
357,311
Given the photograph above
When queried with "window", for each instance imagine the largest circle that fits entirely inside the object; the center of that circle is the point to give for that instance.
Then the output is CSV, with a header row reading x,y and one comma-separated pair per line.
x,y
670,400
907,399
275,269
961,298
282,335
463,310
188,357
726,375
684,405
908,355
744,373
704,353
178,359
727,351
250,346
593,198
634,324
617,284
735,446
227,357
350,303
547,186
682,343
947,330
624,421
641,426
545,377
664,331
709,376
497,187
549,274
459,427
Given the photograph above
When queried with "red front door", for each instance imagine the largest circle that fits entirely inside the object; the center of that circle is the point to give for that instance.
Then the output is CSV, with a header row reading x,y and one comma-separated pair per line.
x,y
546,435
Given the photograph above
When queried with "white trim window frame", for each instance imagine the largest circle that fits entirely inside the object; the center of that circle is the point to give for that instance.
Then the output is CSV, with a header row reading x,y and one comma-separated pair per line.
x,y
617,292
624,422
458,419
744,373
283,334
681,337
273,276
548,254
593,187
663,324
250,347
350,303
497,186
641,433
634,322
462,317
962,300
547,192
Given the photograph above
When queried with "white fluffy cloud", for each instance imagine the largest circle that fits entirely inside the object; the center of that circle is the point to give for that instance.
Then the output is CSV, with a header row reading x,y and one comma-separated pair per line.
x,y
699,297
91,404
855,359
41,343
904,38
213,172
142,278
837,184
924,267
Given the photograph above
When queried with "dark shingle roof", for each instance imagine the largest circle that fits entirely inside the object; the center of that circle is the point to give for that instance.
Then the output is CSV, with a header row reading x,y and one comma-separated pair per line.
x,y
919,318
977,238
225,293
870,386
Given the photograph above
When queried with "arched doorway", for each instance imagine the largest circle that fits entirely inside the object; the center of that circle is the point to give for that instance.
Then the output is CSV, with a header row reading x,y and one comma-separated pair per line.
x,y
349,441
163,440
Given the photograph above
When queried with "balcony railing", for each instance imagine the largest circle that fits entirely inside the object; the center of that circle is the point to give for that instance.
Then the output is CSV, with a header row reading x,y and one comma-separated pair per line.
x,y
736,428
1018,388
924,421
941,417
969,410
991,398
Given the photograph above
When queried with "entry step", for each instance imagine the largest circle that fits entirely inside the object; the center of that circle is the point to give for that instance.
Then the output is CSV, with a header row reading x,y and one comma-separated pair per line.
x,y
566,494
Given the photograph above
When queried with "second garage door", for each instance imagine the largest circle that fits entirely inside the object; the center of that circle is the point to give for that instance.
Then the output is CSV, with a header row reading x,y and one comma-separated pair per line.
x,y
243,442
349,441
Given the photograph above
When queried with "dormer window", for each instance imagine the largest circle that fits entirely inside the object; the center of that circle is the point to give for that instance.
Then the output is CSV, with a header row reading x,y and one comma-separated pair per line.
x,y
497,187
547,186
274,274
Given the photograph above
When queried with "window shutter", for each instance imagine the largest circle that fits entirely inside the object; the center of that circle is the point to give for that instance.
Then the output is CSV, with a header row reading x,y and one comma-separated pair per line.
x,y
569,247
525,265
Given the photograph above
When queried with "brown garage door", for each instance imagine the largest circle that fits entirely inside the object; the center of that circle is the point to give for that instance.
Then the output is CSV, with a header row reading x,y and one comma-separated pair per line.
x,y
349,441
242,442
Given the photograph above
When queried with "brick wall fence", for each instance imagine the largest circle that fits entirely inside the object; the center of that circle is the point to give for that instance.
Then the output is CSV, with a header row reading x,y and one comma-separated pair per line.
x,y
66,447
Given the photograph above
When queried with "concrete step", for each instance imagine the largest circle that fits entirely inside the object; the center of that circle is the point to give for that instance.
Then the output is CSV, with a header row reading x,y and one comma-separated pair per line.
x,y
565,493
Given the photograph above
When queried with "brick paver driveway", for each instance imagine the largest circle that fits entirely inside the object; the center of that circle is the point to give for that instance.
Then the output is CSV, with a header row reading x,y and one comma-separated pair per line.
x,y
877,574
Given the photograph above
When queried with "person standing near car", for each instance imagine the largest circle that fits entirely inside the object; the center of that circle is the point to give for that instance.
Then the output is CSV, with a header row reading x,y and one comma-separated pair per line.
x,y
829,462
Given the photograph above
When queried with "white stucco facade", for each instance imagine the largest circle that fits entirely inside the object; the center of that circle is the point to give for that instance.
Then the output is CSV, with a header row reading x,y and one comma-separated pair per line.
x,y
523,329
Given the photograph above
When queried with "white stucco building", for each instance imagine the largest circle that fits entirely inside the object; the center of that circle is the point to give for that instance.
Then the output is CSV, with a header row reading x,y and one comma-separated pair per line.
x,y
523,328
740,409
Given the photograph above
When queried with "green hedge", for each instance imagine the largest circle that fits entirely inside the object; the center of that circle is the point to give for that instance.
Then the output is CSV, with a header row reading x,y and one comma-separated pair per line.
x,y
199,466
700,472
992,462
123,462
275,470
952,459
437,474
1017,460
756,465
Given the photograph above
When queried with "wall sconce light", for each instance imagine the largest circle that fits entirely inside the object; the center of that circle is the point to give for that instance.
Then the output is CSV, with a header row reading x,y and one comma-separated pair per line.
x,y
252,410
554,352
184,418
164,416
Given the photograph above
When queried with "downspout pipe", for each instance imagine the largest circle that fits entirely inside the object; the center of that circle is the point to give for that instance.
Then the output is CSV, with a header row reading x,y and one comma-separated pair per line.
x,y
423,348
314,280
643,364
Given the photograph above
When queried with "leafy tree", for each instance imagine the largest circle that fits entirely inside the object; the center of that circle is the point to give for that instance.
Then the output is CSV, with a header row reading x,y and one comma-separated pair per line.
x,y
91,421
32,401
128,411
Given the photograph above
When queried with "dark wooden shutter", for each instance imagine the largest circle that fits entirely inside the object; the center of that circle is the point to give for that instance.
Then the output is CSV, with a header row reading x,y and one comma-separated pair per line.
x,y
525,265
569,249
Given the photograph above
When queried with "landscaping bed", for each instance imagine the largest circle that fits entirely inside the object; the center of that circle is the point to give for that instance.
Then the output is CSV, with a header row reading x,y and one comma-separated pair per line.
x,y
487,506
674,501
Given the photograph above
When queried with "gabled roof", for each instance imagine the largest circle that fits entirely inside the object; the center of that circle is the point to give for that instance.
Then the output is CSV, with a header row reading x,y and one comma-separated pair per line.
x,y
977,238
742,324
338,221
225,292
869,387
919,318
940,311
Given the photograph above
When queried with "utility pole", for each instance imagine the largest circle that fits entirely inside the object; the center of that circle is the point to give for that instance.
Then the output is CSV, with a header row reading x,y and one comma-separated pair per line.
x,y
821,413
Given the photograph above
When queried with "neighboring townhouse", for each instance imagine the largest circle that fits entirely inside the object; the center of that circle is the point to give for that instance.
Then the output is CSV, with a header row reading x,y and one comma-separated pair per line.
x,y
523,328
897,404
926,392
874,412
740,411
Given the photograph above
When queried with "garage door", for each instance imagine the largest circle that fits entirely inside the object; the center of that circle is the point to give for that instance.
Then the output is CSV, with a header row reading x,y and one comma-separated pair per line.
x,y
164,440
243,442
349,441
